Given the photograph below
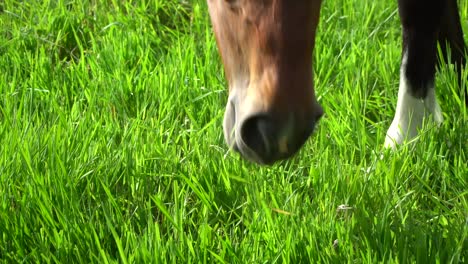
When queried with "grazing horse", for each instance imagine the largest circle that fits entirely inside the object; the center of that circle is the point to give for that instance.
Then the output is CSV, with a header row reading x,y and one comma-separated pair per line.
x,y
266,47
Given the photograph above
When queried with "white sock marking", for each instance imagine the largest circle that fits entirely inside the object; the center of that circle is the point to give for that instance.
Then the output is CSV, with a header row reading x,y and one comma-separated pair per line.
x,y
410,112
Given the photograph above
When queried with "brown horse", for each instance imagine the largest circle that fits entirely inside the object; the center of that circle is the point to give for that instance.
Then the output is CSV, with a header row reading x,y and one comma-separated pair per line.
x,y
266,47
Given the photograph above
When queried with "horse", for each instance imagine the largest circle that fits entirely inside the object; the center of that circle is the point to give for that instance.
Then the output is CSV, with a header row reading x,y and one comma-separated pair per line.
x,y
266,47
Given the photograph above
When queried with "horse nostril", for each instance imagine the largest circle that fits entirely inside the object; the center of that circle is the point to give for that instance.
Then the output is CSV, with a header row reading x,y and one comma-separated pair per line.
x,y
257,132
265,139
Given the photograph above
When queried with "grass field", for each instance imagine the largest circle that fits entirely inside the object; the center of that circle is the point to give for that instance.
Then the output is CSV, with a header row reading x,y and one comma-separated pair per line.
x,y
111,146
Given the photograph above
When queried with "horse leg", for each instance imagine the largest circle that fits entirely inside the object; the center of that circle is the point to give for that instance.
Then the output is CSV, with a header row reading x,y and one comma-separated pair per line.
x,y
421,21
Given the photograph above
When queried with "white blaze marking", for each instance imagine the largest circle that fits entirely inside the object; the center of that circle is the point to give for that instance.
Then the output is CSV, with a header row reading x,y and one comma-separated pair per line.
x,y
410,112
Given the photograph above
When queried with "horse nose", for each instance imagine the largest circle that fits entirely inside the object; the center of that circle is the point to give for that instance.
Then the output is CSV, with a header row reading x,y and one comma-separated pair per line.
x,y
258,134
267,140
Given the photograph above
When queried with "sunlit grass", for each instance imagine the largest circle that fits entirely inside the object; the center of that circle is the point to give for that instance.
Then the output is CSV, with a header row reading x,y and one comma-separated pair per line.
x,y
112,150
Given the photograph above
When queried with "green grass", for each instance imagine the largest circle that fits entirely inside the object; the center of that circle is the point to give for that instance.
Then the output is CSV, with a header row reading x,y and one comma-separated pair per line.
x,y
111,146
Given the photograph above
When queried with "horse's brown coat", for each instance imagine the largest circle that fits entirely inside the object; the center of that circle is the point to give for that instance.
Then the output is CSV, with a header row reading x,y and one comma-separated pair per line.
x,y
266,47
